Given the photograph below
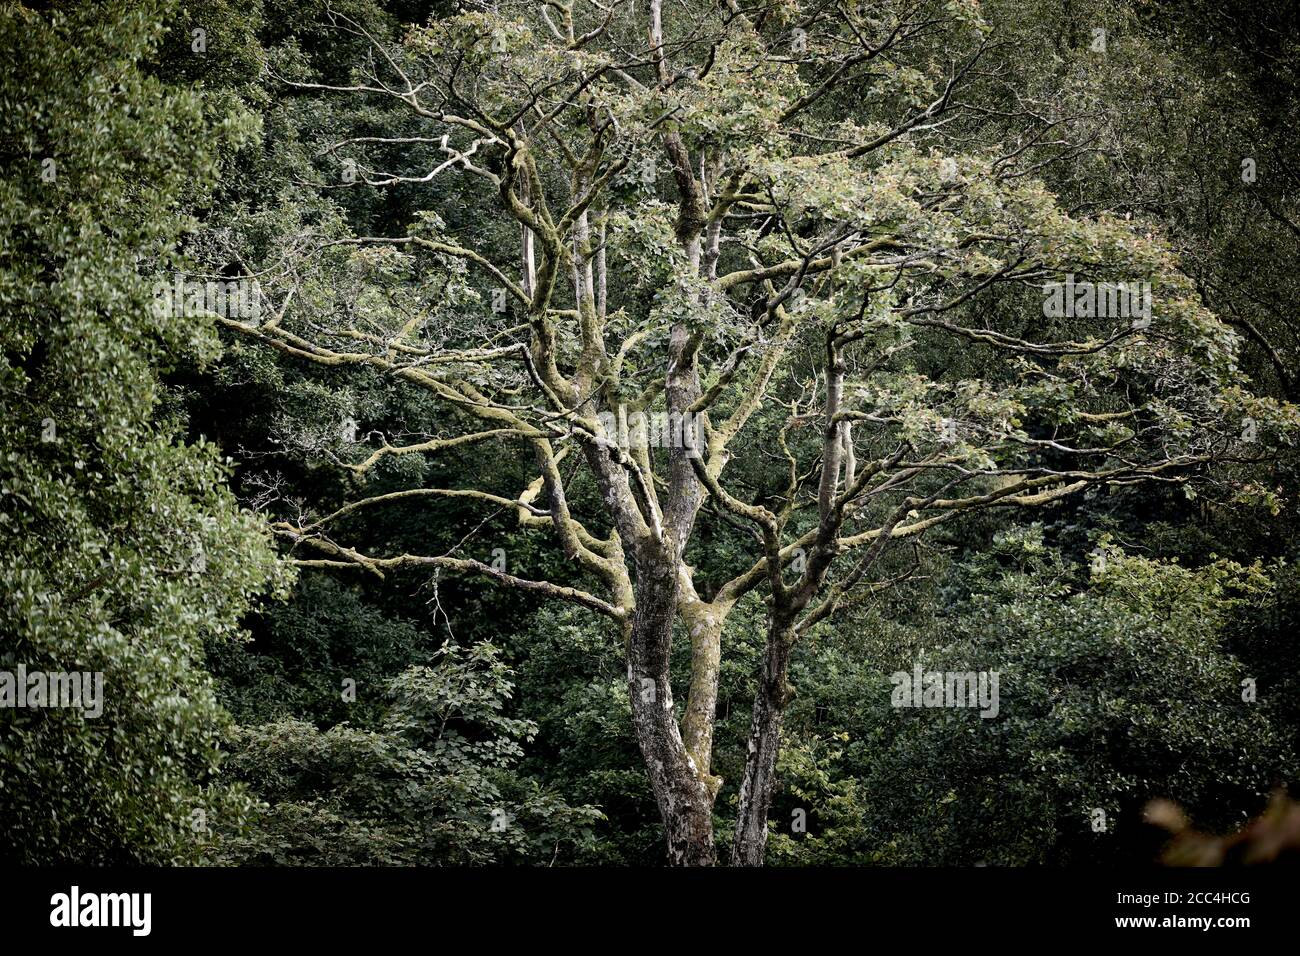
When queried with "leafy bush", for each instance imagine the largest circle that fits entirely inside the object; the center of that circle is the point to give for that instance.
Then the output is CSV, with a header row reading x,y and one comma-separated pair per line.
x,y
432,784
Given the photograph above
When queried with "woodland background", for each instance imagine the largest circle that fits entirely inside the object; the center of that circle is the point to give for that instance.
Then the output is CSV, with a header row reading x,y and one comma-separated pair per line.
x,y
230,738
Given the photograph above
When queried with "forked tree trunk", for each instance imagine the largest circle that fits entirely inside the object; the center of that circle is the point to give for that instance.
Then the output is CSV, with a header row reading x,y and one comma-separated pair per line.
x,y
685,805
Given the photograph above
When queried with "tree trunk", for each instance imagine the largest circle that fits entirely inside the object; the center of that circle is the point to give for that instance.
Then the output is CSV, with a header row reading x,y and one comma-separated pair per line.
x,y
774,692
704,623
685,804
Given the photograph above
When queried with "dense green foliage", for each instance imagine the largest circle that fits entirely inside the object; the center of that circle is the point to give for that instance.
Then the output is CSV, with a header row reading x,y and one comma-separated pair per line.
x,y
432,784
1144,631
123,548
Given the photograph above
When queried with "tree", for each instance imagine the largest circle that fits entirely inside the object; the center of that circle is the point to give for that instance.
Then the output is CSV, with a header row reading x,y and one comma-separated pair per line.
x,y
710,242
123,550
1117,690
432,784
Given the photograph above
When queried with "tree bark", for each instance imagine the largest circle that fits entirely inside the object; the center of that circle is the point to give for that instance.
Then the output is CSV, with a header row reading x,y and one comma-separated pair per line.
x,y
774,692
702,699
685,805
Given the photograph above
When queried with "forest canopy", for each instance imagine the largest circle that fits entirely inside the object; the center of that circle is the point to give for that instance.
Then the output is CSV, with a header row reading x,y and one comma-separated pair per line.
x,y
626,432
